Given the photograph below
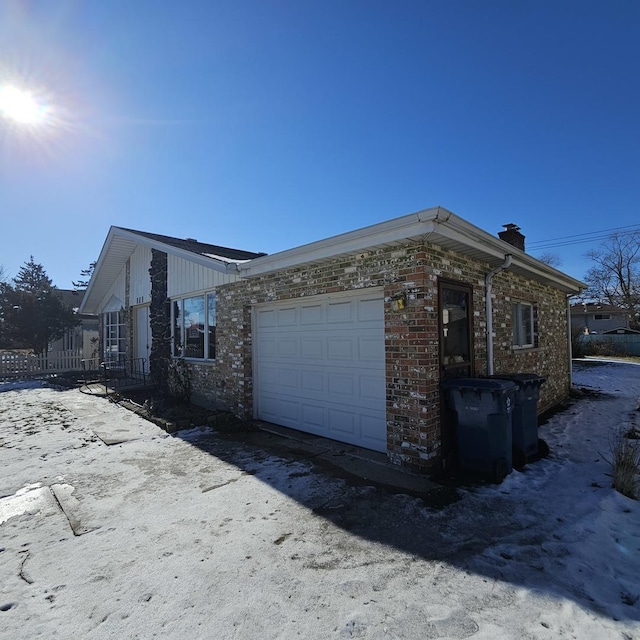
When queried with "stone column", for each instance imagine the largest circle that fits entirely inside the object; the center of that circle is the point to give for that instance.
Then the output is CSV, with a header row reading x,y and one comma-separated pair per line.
x,y
160,321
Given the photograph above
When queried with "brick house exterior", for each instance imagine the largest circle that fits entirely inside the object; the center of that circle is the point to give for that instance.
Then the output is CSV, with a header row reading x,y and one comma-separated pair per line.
x,y
409,265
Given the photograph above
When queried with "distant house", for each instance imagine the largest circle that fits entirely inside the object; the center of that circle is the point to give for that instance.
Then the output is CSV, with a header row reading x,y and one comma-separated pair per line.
x,y
597,317
83,339
348,337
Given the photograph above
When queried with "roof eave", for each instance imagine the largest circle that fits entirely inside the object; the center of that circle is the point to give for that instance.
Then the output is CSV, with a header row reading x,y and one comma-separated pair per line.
x,y
437,225
130,240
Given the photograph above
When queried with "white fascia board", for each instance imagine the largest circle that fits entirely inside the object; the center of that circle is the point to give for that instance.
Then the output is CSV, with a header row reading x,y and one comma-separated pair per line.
x,y
351,242
94,277
117,232
464,232
431,225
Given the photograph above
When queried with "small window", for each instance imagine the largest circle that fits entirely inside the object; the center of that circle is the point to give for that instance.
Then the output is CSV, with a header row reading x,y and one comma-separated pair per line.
x,y
115,336
523,324
602,316
190,318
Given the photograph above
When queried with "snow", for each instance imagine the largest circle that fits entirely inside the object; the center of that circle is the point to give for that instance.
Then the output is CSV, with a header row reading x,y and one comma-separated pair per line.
x,y
202,536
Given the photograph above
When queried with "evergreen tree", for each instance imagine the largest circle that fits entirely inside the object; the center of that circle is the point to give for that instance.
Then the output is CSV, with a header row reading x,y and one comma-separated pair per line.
x,y
85,275
33,311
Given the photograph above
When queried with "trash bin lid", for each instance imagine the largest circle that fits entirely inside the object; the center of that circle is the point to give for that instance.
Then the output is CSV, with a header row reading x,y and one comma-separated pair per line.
x,y
479,384
520,378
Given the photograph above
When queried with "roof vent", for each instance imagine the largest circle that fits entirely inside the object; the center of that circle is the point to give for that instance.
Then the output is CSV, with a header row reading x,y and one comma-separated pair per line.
x,y
191,240
512,235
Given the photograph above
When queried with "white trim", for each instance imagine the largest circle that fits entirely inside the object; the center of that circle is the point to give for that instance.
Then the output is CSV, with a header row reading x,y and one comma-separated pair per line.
x,y
436,225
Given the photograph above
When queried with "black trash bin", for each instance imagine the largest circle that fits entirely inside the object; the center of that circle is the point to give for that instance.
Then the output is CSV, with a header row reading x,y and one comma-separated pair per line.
x,y
483,411
527,446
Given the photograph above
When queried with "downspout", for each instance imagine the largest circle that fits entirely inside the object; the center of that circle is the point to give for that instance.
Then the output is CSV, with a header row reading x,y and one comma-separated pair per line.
x,y
569,339
489,309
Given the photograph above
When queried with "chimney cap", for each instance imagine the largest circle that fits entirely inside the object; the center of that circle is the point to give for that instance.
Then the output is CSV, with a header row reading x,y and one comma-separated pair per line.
x,y
510,226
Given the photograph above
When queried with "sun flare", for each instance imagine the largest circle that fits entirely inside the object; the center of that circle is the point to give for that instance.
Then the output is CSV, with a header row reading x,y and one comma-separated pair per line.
x,y
22,107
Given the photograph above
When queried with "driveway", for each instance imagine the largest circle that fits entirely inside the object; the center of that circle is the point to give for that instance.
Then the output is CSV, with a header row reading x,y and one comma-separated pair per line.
x,y
207,535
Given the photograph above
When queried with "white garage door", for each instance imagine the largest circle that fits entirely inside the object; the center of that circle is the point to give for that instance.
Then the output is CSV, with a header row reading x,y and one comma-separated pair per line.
x,y
319,367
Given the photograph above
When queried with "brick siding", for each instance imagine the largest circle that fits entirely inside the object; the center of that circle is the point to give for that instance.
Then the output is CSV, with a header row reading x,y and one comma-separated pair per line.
x,y
411,336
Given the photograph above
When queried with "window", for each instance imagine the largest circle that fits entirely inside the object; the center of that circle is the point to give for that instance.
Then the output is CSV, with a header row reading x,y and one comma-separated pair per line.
x,y
523,327
602,316
190,318
115,337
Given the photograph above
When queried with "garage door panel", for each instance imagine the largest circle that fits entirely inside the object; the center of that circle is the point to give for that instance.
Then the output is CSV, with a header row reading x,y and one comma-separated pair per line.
x,y
312,382
340,311
373,433
287,348
341,348
342,424
288,317
370,310
342,385
312,347
312,315
289,378
326,373
313,418
267,347
267,318
370,349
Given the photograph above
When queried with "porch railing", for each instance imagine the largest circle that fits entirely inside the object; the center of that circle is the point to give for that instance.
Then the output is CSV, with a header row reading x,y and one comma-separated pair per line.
x,y
115,374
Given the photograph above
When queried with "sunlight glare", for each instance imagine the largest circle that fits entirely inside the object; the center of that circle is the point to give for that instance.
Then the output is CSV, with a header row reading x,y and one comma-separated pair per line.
x,y
21,106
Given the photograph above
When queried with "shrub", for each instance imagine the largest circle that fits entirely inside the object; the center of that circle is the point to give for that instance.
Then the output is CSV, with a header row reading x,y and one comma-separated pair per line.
x,y
625,462
179,380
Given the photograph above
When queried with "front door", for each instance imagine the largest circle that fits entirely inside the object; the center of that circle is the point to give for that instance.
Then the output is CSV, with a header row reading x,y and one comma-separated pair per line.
x,y
143,335
456,351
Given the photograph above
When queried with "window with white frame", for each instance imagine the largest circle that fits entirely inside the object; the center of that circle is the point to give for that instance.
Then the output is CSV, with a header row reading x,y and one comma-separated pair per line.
x,y
115,337
523,324
194,327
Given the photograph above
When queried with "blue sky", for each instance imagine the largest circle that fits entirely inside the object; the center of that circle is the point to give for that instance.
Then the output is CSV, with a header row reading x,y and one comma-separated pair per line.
x,y
263,125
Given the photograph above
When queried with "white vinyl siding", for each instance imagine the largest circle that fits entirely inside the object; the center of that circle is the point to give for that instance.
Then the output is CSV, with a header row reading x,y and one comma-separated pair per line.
x,y
116,291
140,292
186,277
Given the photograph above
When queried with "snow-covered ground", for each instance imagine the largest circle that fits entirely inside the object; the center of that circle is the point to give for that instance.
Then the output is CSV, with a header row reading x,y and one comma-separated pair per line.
x,y
198,536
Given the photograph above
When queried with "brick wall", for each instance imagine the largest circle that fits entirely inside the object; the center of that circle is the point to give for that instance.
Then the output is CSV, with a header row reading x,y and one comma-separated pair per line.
x,y
411,335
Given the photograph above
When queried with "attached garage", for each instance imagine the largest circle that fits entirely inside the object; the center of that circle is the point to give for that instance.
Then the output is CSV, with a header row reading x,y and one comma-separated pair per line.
x,y
319,366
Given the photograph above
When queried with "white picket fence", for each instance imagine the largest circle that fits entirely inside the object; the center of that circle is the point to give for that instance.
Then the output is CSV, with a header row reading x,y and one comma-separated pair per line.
x,y
17,365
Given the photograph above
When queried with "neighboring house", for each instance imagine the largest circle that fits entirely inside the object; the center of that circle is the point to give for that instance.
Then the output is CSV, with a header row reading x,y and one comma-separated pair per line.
x,y
597,317
83,338
348,337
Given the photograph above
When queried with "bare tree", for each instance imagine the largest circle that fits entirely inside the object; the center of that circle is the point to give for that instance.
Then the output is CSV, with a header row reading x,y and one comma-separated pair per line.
x,y
615,276
552,259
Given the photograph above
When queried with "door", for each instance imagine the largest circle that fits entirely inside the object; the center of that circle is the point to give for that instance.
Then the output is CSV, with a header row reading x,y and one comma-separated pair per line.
x,y
143,335
319,367
456,329
456,352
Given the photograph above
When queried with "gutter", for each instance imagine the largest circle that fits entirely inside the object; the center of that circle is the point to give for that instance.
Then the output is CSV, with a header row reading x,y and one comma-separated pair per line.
x,y
489,309
570,341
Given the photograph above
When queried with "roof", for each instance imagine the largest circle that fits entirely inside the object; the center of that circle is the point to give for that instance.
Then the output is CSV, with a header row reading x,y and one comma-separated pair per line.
x,y
596,307
121,243
436,225
200,248
618,330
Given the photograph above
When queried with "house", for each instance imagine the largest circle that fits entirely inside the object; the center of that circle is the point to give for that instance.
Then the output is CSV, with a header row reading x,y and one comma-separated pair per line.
x,y
81,340
348,337
597,317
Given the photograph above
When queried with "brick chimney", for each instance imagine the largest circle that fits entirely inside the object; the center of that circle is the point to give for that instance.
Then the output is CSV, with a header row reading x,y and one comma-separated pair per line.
x,y
512,235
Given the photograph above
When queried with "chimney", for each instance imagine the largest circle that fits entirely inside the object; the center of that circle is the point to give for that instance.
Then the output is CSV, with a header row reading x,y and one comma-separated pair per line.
x,y
512,235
